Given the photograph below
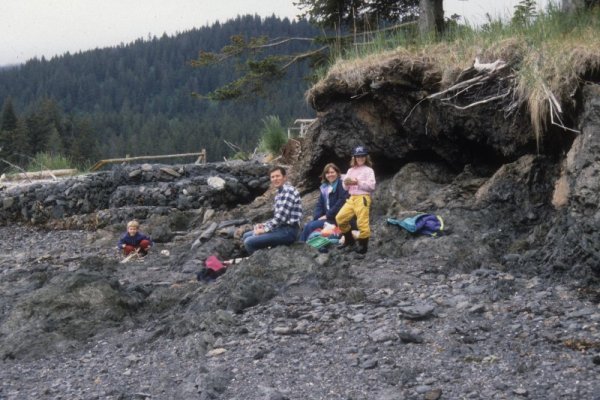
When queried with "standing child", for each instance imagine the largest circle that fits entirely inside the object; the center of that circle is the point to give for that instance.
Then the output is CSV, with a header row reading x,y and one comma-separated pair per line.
x,y
360,183
133,240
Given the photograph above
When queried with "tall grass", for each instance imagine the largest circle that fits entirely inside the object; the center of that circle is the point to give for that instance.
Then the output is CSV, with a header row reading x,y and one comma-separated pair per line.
x,y
273,136
45,161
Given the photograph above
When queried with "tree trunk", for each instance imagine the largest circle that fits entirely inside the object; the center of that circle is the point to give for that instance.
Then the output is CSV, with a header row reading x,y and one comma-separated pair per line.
x,y
431,17
575,5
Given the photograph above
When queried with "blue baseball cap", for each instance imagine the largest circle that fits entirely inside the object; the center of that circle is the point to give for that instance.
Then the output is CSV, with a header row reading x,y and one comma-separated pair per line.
x,y
360,151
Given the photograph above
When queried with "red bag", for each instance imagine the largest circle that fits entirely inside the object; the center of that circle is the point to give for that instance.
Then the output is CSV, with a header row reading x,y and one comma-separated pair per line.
x,y
214,268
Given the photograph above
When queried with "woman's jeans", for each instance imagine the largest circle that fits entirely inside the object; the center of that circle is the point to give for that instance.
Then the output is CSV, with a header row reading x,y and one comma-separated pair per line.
x,y
283,235
310,227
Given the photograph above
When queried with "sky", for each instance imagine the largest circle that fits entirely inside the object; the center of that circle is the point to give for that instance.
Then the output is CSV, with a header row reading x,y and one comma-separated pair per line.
x,y
36,28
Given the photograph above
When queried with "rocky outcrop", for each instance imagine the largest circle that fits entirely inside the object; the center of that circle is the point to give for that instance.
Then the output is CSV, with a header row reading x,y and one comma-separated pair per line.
x,y
397,113
452,147
143,189
572,241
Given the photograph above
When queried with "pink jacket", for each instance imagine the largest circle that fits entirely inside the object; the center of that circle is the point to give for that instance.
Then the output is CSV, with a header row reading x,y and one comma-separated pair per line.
x,y
365,177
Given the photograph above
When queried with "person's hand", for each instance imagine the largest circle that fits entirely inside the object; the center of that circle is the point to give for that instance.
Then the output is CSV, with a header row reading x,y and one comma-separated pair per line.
x,y
350,181
259,229
322,217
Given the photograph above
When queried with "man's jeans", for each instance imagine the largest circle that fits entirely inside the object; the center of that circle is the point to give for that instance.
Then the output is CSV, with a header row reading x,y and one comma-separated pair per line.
x,y
283,235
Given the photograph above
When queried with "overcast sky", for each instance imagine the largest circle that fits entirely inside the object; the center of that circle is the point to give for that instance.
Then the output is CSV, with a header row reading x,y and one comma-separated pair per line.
x,y
36,28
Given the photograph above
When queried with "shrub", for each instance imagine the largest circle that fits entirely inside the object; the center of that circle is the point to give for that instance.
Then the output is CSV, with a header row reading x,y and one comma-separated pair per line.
x,y
44,160
272,135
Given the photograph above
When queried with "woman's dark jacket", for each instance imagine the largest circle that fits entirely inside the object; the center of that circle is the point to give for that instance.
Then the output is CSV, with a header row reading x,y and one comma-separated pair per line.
x,y
337,198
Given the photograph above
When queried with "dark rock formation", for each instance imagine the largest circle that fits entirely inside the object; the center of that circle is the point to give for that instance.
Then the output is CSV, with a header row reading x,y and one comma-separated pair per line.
x,y
393,114
144,189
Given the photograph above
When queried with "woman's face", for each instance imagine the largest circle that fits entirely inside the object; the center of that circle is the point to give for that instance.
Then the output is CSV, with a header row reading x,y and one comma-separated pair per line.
x,y
331,175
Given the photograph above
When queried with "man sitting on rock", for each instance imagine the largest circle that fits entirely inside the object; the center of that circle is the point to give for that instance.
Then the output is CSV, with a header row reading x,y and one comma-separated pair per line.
x,y
283,228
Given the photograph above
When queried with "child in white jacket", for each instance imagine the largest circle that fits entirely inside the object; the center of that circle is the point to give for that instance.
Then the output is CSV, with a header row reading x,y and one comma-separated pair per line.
x,y
360,183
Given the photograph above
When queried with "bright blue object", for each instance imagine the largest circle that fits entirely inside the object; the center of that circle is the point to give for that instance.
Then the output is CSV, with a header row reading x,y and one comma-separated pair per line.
x,y
426,224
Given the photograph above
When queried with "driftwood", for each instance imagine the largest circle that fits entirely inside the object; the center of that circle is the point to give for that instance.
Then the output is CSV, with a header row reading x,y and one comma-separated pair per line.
x,y
40,174
232,222
208,232
201,159
227,232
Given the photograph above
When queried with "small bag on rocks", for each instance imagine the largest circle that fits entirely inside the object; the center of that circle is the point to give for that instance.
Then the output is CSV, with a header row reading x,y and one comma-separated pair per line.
x,y
426,224
212,270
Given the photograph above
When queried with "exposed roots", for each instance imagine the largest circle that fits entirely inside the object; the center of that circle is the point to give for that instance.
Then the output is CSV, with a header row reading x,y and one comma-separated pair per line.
x,y
476,90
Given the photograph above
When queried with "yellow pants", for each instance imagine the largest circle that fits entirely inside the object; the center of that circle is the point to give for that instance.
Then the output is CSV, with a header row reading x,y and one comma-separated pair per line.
x,y
357,205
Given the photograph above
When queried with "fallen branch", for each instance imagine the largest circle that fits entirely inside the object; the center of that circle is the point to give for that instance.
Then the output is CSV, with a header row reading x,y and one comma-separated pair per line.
x,y
42,174
17,167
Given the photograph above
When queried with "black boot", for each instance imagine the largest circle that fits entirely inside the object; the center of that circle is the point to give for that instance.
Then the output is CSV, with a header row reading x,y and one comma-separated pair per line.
x,y
363,246
349,242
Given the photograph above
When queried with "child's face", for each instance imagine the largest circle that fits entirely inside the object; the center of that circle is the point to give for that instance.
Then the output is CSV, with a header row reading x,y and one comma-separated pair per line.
x,y
360,160
132,230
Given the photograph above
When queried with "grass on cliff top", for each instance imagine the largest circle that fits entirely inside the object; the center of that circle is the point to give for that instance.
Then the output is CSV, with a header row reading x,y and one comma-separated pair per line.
x,y
550,55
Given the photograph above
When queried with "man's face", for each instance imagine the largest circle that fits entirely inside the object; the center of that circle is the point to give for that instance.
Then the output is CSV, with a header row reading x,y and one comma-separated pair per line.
x,y
277,179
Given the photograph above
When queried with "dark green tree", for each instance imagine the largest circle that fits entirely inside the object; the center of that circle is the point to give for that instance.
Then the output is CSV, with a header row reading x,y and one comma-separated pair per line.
x,y
356,14
8,130
19,144
524,13
137,96
9,117
45,117
82,146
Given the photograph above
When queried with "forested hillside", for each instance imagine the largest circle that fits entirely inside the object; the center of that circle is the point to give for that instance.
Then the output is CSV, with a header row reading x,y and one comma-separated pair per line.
x,y
137,98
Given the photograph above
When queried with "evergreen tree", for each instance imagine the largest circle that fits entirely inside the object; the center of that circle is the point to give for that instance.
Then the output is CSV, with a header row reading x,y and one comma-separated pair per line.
x,y
524,13
146,86
9,117
55,143
357,14
20,149
82,145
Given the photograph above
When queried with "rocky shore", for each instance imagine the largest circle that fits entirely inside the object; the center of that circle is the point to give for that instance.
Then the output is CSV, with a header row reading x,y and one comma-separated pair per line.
x,y
289,323
504,305
464,315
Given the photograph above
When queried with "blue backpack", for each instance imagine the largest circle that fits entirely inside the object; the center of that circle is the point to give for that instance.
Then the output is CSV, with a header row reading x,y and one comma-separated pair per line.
x,y
426,224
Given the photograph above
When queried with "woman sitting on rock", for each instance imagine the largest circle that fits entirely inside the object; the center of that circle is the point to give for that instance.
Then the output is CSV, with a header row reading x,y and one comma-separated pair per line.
x,y
332,198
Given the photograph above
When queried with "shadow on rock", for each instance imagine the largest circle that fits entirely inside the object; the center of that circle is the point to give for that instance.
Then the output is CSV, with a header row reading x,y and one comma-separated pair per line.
x,y
68,309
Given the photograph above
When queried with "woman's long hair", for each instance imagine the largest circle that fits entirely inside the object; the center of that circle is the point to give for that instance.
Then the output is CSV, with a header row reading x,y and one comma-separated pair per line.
x,y
327,167
368,162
